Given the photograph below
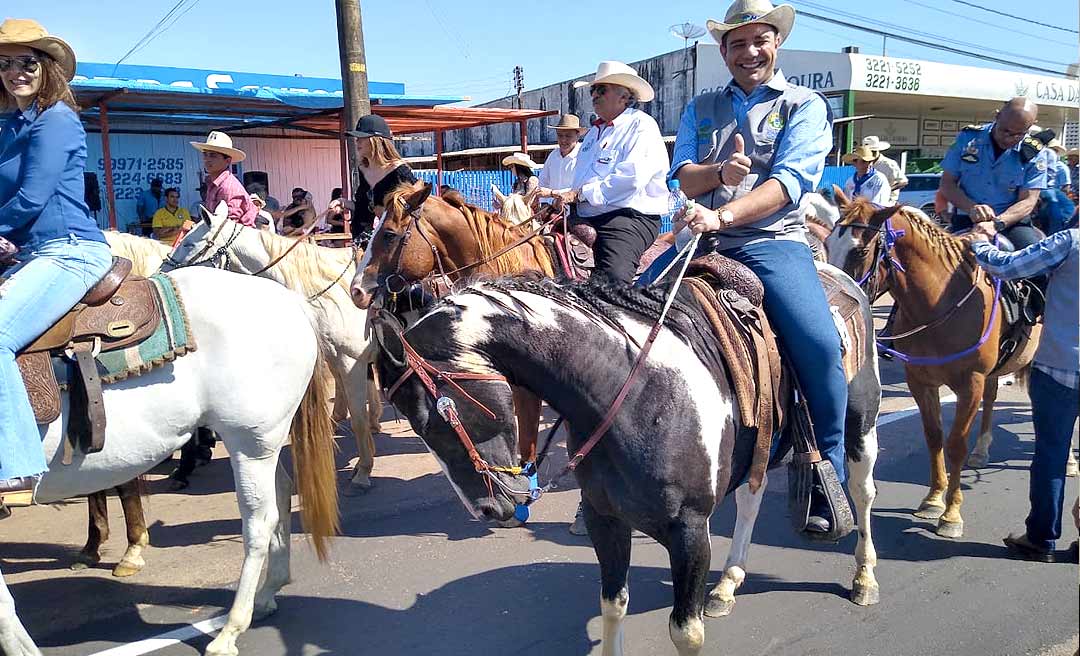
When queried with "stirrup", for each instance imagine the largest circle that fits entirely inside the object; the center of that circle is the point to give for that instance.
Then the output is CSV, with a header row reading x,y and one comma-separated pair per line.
x,y
801,479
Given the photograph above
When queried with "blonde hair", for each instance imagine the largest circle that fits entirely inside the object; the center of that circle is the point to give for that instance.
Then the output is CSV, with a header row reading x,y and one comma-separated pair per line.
x,y
383,153
54,87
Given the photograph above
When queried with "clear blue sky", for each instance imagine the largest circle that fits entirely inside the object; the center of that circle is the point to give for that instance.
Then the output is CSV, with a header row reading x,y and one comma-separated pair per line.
x,y
469,47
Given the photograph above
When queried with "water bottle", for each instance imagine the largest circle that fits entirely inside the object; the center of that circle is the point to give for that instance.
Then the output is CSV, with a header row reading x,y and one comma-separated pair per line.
x,y
676,200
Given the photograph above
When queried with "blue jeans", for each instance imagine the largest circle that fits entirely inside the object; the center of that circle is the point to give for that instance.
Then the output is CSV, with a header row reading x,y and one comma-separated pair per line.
x,y
799,313
46,283
1054,409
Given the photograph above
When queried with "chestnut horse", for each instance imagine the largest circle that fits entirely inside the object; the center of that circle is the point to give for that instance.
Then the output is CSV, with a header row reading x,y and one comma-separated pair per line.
x,y
424,237
948,309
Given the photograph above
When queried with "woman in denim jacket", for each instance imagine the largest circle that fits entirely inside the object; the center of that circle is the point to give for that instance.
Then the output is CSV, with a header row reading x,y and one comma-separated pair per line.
x,y
59,250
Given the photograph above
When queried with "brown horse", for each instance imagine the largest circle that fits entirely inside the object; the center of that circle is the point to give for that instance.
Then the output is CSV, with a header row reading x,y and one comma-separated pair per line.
x,y
946,306
442,240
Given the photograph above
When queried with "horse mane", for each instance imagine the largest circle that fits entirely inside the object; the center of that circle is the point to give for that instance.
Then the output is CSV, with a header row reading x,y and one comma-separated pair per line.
x,y
308,268
952,251
491,233
146,254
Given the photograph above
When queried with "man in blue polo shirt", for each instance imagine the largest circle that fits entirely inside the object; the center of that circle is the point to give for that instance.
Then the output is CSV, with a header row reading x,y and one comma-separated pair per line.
x,y
994,173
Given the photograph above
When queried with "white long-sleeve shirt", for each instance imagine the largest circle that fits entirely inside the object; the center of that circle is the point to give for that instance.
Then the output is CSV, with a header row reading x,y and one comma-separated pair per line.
x,y
622,164
558,171
876,189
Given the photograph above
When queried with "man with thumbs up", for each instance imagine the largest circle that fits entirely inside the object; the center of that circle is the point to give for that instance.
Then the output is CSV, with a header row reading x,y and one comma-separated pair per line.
x,y
748,154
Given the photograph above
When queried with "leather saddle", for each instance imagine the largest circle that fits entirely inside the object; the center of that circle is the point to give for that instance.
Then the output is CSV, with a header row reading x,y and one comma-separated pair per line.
x,y
120,310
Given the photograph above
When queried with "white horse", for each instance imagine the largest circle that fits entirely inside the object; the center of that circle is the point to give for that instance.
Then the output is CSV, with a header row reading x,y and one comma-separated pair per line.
x,y
322,275
146,254
252,386
515,208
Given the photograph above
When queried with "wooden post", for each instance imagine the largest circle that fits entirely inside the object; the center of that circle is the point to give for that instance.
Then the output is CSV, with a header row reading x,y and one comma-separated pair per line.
x,y
524,137
438,160
346,178
106,151
354,77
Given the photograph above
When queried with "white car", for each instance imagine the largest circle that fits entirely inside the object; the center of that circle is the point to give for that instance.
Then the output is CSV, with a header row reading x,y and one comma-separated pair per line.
x,y
920,191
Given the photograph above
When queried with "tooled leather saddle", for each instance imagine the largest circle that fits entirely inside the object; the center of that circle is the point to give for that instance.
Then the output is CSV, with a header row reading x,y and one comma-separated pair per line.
x,y
120,310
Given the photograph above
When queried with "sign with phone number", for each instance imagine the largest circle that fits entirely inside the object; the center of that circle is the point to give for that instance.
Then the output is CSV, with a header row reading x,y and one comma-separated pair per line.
x,y
131,175
891,75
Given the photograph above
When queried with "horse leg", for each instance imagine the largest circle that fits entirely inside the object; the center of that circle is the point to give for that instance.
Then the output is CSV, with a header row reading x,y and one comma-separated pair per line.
x,y
138,539
277,567
357,384
527,411
14,640
951,524
980,455
926,397
97,530
341,401
864,587
255,481
374,402
1072,468
611,542
721,600
690,553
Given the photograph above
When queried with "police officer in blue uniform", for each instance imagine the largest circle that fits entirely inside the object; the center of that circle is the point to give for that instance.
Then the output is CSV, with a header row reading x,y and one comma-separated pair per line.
x,y
994,173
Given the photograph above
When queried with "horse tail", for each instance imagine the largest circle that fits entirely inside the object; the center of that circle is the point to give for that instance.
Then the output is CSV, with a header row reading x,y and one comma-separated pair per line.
x,y
314,468
1023,377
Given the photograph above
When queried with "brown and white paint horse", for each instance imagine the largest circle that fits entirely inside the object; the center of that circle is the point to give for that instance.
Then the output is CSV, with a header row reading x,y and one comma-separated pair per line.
x,y
931,274
444,239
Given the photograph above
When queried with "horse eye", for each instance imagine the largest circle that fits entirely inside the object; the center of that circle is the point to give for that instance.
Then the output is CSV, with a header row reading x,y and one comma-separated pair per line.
x,y
389,237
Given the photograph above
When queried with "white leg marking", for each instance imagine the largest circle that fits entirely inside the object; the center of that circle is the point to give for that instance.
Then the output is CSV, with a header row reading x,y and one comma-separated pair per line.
x,y
688,639
722,598
864,588
613,613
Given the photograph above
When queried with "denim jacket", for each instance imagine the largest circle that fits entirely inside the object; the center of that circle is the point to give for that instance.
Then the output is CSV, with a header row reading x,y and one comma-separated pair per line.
x,y
42,157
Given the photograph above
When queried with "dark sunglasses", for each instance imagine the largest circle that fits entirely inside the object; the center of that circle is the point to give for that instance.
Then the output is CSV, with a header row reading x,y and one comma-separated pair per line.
x,y
24,63
598,90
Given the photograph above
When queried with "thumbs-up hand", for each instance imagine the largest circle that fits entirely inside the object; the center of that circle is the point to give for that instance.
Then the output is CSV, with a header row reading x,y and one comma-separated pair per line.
x,y
737,166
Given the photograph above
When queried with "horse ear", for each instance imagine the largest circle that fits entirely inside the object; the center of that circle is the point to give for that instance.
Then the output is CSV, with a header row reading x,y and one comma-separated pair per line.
x,y
420,192
531,197
500,197
879,217
842,201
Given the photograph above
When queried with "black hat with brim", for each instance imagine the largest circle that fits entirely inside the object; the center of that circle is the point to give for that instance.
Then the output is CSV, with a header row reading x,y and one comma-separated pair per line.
x,y
371,125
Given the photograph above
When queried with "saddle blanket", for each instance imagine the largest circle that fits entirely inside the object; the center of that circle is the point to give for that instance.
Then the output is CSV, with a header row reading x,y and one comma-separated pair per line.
x,y
172,339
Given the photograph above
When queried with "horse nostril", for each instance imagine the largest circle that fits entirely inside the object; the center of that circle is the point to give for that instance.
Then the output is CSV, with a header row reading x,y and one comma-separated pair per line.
x,y
360,298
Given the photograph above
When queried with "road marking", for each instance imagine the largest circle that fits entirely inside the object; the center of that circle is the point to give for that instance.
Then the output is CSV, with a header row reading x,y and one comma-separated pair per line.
x,y
907,412
174,637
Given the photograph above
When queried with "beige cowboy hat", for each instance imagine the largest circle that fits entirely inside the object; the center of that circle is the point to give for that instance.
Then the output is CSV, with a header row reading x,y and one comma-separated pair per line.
x,y
568,122
219,142
1056,146
30,33
613,72
876,144
520,158
1073,152
865,153
748,12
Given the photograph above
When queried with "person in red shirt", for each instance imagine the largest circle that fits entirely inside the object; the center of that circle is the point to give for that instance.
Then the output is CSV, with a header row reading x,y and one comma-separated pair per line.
x,y
218,157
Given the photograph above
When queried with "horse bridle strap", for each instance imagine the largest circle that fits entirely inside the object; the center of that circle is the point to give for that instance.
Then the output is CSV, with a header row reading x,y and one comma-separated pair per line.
x,y
303,236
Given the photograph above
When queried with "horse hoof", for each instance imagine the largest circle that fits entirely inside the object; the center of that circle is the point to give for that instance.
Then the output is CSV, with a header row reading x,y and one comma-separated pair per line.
x,y
262,611
80,565
376,429
929,511
513,522
354,489
950,529
230,650
977,460
1072,469
865,595
125,569
717,607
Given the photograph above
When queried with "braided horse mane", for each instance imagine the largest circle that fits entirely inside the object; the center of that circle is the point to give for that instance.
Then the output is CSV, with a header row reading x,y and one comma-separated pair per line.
x,y
491,234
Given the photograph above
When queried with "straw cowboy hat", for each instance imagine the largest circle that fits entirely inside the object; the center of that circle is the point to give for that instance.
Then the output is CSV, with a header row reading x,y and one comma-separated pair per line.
x,y
568,122
1056,145
1074,152
613,72
876,144
748,12
219,142
30,33
865,153
521,159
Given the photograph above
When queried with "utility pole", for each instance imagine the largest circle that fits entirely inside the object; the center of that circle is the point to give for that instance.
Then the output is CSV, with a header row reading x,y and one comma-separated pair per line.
x,y
354,78
519,83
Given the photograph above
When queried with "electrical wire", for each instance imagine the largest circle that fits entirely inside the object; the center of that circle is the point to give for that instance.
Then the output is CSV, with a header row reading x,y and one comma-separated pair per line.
x,y
166,21
989,24
1014,17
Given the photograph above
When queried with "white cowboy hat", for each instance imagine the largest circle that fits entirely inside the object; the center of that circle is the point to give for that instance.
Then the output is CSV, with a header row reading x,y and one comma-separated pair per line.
x,y
1056,146
219,142
520,158
748,12
568,122
613,72
30,33
876,144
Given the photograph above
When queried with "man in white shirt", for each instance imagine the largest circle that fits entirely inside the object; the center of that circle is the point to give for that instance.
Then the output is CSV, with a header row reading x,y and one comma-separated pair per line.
x,y
557,176
619,179
887,167
867,182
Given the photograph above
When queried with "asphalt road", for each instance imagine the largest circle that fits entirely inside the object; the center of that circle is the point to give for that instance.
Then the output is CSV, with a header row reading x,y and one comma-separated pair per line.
x,y
414,574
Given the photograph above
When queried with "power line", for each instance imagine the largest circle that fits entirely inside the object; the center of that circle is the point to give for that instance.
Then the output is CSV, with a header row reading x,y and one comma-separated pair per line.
x,y
918,32
988,23
150,33
1013,16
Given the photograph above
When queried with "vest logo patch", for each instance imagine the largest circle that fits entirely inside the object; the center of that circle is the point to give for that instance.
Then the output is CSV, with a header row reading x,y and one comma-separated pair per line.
x,y
971,153
705,131
773,124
